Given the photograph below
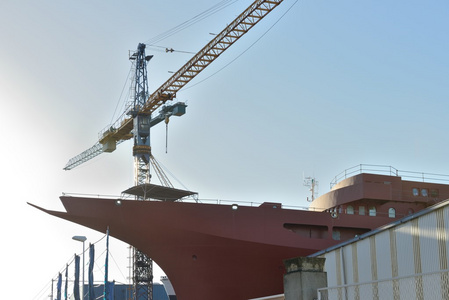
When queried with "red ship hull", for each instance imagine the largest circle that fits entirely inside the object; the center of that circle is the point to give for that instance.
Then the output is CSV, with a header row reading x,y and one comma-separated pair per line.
x,y
214,251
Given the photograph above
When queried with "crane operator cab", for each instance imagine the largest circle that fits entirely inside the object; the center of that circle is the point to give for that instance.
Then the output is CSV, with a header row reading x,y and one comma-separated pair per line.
x,y
143,125
141,132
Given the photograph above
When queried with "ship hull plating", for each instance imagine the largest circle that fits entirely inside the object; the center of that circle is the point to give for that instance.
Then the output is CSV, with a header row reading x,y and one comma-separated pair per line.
x,y
212,251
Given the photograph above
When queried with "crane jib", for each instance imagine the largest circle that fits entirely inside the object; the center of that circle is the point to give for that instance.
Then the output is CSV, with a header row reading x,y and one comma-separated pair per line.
x,y
241,25
121,129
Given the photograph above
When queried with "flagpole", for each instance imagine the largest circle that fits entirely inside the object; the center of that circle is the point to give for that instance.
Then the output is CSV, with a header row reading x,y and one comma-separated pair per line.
x,y
106,289
81,239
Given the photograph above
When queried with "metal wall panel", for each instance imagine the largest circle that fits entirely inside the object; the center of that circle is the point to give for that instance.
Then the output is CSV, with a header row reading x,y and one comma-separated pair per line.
x,y
364,264
384,265
404,246
348,270
428,243
332,268
445,216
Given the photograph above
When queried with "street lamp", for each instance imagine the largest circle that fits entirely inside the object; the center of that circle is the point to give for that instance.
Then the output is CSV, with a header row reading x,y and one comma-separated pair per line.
x,y
81,238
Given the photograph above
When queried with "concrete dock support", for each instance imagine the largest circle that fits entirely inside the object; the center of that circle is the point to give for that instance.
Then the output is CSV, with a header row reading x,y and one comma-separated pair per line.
x,y
304,276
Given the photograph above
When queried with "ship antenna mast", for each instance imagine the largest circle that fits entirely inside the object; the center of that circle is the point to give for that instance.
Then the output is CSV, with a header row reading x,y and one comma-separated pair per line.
x,y
312,184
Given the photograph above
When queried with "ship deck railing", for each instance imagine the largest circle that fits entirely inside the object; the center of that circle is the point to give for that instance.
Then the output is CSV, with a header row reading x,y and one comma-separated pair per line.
x,y
390,171
192,200
226,202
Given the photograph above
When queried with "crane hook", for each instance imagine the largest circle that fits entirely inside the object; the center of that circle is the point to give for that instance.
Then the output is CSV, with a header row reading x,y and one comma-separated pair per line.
x,y
167,119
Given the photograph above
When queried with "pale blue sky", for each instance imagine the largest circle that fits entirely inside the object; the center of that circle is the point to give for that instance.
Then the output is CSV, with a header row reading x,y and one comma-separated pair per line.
x,y
333,84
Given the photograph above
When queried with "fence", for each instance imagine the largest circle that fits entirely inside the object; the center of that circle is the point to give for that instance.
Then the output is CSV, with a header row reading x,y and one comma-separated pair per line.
x,y
422,286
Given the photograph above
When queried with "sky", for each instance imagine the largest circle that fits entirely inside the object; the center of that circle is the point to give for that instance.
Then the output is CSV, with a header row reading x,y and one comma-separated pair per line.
x,y
313,89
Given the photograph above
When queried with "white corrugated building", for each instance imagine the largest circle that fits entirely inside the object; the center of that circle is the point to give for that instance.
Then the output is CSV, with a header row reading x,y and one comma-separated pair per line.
x,y
407,259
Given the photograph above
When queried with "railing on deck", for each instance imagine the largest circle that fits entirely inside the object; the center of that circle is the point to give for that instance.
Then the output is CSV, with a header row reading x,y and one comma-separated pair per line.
x,y
390,171
203,201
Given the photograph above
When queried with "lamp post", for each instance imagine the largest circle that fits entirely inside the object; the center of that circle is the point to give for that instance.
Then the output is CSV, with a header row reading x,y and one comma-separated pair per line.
x,y
81,238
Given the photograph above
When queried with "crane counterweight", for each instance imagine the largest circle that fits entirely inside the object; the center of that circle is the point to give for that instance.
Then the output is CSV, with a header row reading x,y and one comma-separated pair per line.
x,y
109,145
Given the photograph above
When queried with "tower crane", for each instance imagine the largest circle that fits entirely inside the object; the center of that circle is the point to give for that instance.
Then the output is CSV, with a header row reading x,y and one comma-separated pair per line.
x,y
137,120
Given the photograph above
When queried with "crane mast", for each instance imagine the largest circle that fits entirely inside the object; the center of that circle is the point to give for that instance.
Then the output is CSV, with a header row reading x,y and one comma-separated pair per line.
x,y
142,265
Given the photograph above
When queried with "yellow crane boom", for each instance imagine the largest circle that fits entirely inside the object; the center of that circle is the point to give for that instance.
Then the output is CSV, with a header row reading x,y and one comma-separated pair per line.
x,y
121,129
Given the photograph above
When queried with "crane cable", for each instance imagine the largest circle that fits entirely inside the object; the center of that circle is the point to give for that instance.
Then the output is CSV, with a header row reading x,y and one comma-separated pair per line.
x,y
208,12
68,263
190,22
121,94
169,49
238,56
250,46
167,119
